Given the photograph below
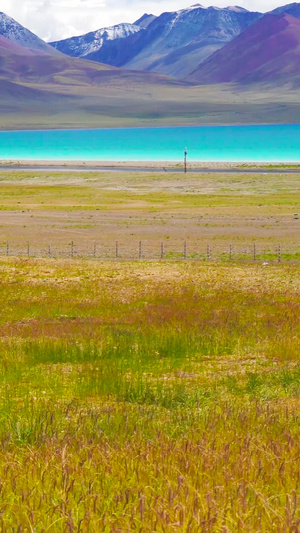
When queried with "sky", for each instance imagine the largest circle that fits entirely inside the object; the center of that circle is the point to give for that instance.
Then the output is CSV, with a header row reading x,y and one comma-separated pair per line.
x,y
57,19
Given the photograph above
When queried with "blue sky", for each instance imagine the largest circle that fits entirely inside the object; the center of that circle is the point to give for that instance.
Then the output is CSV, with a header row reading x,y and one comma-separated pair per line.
x,y
57,19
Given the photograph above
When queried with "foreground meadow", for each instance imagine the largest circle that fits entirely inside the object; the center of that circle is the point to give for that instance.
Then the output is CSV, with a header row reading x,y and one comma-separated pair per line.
x,y
149,397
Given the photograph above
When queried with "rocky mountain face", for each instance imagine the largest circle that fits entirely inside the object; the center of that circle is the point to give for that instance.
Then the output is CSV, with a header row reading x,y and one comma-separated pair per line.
x,y
15,32
267,52
173,43
176,42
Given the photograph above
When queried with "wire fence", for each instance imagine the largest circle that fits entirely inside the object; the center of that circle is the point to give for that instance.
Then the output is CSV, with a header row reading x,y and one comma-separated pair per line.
x,y
151,250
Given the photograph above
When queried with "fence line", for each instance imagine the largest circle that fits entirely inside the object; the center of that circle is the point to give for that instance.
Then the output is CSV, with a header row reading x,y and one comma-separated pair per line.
x,y
150,250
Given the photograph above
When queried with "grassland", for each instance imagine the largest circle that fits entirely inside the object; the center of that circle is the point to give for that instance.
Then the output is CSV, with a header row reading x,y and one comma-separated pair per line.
x,y
149,395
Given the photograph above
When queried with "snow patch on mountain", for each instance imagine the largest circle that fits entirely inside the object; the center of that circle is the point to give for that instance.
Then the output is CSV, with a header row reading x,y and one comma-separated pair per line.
x,y
92,42
236,9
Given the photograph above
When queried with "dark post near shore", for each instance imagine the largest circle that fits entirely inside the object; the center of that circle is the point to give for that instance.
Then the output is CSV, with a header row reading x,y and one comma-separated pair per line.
x,y
185,160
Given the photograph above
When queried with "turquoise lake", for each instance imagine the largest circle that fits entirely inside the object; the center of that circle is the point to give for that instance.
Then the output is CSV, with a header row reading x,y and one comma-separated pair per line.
x,y
280,143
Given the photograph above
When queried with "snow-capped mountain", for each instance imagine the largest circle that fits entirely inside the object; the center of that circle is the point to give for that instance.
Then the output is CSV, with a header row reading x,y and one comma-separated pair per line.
x,y
173,43
84,45
15,32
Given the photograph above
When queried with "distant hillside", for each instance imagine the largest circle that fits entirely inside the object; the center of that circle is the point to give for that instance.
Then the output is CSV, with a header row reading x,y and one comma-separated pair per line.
x,y
268,51
173,43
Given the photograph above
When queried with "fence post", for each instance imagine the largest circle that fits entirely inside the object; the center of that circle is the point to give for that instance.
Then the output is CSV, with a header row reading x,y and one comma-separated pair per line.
x,y
72,249
140,250
230,252
28,249
117,249
185,250
7,248
279,253
49,250
162,251
254,252
95,249
208,252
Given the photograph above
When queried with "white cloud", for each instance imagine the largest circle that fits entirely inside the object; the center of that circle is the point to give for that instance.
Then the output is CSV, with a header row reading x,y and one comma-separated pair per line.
x,y
57,19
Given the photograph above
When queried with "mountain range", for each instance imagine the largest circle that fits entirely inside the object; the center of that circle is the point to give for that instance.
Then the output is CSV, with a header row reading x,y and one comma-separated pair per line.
x,y
174,43
198,45
183,43
190,66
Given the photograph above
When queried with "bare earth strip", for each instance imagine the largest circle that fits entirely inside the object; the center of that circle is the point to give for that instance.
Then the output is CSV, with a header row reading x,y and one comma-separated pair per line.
x,y
146,166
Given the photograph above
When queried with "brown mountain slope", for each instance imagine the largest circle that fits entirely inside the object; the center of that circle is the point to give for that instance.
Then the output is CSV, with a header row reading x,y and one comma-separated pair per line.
x,y
268,51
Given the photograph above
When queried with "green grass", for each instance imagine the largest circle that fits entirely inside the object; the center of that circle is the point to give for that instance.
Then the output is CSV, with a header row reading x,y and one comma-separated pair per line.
x,y
284,166
149,397
87,196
